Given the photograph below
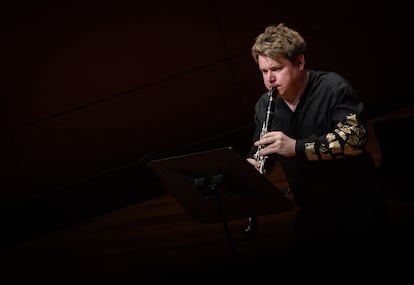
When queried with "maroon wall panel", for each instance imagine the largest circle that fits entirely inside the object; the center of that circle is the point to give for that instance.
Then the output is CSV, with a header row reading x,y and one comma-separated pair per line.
x,y
160,117
67,57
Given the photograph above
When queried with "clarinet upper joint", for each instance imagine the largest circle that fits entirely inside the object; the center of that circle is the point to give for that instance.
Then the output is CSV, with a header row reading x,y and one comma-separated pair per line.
x,y
266,126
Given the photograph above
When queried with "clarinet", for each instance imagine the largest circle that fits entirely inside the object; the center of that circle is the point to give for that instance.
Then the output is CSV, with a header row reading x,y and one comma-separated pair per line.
x,y
251,223
265,128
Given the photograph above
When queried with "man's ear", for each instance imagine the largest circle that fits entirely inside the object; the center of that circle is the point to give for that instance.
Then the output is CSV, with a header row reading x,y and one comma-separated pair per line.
x,y
300,61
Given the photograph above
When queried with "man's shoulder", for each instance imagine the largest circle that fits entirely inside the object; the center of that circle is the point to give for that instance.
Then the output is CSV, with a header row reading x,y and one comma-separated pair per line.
x,y
329,79
327,75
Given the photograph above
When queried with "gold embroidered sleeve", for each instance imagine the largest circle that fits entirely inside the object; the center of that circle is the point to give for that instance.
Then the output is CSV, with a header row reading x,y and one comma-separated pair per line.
x,y
349,138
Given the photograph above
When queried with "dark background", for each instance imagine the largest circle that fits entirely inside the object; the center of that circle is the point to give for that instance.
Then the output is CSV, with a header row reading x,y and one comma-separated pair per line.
x,y
93,90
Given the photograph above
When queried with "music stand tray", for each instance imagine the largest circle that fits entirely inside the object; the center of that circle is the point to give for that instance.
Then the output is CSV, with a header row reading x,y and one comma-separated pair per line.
x,y
218,185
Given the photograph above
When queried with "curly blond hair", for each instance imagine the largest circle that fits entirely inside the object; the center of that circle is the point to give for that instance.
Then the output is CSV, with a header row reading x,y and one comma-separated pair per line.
x,y
279,41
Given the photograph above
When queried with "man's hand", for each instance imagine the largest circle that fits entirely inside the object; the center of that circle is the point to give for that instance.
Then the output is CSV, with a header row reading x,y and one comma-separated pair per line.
x,y
277,142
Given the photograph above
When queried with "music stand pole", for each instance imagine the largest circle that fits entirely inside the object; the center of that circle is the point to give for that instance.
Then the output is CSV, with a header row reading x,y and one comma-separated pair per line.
x,y
212,189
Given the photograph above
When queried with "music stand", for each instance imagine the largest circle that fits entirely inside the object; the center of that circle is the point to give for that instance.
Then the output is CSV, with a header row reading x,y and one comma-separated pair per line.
x,y
218,185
